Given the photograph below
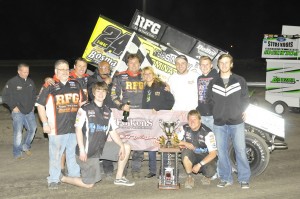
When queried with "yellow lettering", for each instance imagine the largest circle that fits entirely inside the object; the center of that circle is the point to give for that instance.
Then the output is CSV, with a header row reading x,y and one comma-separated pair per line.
x,y
129,85
75,98
135,85
68,98
59,100
141,85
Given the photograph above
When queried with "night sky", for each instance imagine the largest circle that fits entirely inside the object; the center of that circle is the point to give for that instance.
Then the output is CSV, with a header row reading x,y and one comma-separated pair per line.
x,y
37,29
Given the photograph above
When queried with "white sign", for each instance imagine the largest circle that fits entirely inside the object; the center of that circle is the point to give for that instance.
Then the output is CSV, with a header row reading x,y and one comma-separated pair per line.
x,y
275,46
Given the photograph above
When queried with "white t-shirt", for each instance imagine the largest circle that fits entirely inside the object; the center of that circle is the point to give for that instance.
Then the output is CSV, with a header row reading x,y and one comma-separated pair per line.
x,y
184,89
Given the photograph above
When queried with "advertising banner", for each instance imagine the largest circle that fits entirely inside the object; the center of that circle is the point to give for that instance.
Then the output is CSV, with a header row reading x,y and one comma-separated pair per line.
x,y
142,129
279,46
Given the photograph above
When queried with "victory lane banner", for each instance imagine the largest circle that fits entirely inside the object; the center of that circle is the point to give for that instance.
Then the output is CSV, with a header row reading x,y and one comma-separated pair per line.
x,y
142,129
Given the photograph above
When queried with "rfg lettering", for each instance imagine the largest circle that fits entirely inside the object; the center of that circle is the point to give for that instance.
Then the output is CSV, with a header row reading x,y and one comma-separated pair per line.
x,y
147,24
134,85
68,98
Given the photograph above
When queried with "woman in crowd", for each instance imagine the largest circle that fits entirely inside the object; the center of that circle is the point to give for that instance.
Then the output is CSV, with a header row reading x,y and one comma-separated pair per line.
x,y
155,97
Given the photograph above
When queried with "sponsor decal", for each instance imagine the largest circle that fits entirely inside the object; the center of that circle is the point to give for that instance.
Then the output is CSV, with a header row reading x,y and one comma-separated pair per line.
x,y
91,112
157,93
135,123
285,80
97,128
146,26
201,48
72,84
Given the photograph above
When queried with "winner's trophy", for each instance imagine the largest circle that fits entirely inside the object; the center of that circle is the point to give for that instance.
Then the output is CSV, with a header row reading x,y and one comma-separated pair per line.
x,y
169,128
169,150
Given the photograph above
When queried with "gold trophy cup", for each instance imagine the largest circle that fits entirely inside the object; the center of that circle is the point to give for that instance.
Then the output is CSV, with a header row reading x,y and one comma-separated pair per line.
x,y
169,129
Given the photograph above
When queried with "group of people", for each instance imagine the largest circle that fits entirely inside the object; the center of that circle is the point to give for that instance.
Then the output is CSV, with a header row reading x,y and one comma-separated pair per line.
x,y
74,109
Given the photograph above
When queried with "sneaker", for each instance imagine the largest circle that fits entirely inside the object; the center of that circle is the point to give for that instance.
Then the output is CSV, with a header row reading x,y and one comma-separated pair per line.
x,y
189,182
214,176
29,153
245,185
205,180
136,175
223,184
53,186
123,181
150,175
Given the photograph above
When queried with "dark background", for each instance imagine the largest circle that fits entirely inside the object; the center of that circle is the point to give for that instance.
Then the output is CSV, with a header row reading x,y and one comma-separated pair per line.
x,y
37,29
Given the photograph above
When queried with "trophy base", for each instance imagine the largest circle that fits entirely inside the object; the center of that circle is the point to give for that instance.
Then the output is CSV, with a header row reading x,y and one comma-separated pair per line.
x,y
169,187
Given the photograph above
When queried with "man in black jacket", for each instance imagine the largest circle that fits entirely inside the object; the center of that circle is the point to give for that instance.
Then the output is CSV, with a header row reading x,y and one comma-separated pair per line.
x,y
19,94
229,98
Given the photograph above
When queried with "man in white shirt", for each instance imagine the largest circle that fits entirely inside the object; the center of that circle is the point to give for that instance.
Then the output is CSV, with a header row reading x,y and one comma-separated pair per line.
x,y
183,85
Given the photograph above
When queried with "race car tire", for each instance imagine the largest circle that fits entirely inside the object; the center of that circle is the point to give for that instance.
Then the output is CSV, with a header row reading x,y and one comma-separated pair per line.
x,y
257,153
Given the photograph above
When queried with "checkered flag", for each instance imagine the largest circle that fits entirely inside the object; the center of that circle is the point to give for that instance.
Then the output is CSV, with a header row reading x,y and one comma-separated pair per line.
x,y
134,46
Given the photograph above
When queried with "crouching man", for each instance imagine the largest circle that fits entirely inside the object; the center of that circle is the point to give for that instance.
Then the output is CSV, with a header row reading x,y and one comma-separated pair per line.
x,y
94,121
199,149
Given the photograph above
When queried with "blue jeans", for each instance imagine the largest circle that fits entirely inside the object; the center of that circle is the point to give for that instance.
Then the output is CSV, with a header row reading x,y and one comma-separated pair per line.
x,y
21,120
57,145
136,161
208,121
237,135
152,161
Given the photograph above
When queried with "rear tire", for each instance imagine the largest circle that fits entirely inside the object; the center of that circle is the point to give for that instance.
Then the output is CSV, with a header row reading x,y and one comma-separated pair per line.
x,y
257,153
